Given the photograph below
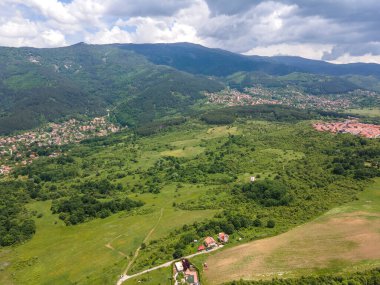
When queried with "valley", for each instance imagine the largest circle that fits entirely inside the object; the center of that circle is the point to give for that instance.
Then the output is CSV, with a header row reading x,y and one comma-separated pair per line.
x,y
119,159
195,196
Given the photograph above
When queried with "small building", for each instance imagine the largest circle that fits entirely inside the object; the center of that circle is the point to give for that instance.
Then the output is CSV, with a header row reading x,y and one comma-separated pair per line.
x,y
178,266
223,237
210,242
253,178
201,247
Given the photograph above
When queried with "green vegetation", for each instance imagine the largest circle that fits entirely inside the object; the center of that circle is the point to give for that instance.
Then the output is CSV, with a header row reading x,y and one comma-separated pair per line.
x,y
40,85
16,223
370,112
96,188
78,209
275,113
309,83
181,170
369,277
140,84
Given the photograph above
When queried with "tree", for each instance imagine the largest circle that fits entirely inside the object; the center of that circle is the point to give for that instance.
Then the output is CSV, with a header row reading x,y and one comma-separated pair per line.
x,y
257,223
271,224
177,253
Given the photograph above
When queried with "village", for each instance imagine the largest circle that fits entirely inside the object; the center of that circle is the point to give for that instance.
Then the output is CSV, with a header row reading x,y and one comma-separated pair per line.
x,y
20,149
351,127
184,272
289,96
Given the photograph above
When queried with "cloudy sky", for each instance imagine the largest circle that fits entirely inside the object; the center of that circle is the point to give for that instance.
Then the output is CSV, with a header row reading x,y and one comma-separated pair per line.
x,y
334,30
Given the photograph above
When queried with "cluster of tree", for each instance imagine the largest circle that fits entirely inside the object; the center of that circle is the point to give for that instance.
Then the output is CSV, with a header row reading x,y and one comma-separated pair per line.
x,y
259,112
78,209
49,169
267,193
358,158
168,92
150,128
16,224
310,83
97,188
369,277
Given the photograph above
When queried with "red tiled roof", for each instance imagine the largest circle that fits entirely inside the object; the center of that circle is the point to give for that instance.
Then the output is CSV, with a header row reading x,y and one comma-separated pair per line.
x,y
209,240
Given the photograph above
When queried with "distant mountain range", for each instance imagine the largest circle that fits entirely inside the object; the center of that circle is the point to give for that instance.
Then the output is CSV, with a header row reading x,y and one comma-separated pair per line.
x,y
138,82
198,59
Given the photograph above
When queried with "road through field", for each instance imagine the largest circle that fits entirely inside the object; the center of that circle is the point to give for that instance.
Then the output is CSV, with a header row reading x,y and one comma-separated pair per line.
x,y
125,277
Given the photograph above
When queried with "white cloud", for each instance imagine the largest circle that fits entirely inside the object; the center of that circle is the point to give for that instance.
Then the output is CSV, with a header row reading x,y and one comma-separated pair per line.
x,y
366,58
265,27
18,32
312,51
105,36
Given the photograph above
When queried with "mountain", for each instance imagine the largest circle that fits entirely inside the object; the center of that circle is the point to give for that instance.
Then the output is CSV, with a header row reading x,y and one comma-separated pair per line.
x,y
38,85
198,59
145,82
323,67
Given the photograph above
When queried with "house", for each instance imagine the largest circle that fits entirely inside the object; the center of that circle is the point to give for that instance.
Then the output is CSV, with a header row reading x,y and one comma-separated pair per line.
x,y
253,178
210,242
186,272
223,237
191,276
201,248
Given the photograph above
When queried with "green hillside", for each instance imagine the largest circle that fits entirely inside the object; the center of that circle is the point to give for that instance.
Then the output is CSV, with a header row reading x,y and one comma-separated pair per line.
x,y
38,85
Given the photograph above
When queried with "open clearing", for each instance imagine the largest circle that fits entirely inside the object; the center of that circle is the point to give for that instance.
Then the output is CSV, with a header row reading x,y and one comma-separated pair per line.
x,y
344,239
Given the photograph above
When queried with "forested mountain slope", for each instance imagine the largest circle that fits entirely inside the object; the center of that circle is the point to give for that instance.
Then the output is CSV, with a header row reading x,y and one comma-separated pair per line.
x,y
145,82
38,85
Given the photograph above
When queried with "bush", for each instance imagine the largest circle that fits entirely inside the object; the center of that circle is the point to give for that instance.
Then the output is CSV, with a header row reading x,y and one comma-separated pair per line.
x,y
271,224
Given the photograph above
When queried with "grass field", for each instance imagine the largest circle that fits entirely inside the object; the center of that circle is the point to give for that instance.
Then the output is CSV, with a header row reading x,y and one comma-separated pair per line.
x,y
346,238
370,112
78,254
97,252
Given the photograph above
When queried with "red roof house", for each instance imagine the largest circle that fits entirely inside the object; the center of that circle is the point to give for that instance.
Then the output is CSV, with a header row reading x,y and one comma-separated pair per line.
x,y
223,237
210,242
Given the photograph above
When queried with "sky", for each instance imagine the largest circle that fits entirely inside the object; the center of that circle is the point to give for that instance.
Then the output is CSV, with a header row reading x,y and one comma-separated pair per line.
x,y
339,31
